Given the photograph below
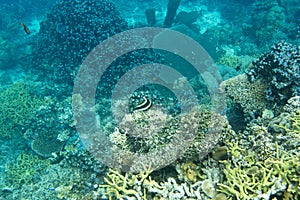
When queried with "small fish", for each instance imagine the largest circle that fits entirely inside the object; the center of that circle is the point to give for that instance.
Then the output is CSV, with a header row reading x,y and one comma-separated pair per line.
x,y
26,29
145,105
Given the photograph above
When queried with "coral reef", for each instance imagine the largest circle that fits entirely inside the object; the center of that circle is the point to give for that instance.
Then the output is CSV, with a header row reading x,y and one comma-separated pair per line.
x,y
286,128
143,186
239,63
263,160
211,127
293,104
73,174
185,156
45,144
268,24
128,186
61,182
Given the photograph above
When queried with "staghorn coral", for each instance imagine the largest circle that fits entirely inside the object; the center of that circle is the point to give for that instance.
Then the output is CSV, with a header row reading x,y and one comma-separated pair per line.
x,y
170,189
257,179
127,186
142,186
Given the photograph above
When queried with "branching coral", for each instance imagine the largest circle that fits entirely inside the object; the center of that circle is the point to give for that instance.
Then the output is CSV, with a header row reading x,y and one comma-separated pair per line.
x,y
127,186
261,179
25,170
16,107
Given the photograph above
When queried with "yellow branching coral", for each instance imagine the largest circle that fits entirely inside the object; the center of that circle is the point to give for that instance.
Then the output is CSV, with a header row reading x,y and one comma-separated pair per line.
x,y
260,179
126,185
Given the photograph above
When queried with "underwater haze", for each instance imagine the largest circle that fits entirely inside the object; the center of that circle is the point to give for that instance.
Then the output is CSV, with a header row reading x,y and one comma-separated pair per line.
x,y
142,100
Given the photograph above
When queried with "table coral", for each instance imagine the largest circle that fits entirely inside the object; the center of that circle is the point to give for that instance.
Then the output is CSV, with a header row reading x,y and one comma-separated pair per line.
x,y
51,127
250,96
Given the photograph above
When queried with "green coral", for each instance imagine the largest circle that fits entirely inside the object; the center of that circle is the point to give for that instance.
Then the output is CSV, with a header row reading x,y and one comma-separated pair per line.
x,y
26,170
16,107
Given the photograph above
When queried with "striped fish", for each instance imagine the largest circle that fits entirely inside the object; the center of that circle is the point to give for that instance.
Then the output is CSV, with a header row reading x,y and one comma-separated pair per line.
x,y
145,105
